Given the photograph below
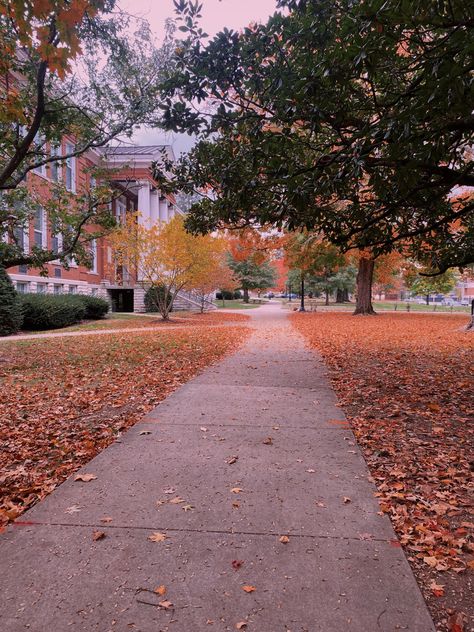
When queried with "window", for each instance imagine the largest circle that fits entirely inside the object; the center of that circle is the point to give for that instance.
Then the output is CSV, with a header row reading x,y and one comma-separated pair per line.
x,y
57,273
22,287
70,169
39,143
41,288
21,238
55,166
120,210
94,256
23,269
39,228
58,289
73,289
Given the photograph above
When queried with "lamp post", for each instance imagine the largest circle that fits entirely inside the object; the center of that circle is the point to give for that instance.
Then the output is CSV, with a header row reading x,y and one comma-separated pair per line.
x,y
302,309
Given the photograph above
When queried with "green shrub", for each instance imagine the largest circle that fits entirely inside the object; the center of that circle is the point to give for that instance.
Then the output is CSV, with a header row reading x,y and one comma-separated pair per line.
x,y
153,296
96,308
237,294
224,295
11,315
49,311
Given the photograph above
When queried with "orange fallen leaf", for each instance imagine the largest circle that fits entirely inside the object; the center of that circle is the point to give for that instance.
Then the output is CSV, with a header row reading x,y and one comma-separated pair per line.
x,y
98,535
157,537
240,625
161,590
236,490
165,604
284,539
248,589
437,589
176,501
346,499
267,441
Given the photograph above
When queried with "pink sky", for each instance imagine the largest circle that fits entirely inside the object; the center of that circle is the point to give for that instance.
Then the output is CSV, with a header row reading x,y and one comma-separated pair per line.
x,y
215,13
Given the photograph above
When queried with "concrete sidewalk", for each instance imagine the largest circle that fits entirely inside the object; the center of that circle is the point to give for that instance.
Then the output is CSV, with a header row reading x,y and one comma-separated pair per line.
x,y
251,450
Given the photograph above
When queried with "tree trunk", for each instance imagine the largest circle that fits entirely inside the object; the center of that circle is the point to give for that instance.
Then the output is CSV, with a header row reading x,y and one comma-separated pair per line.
x,y
365,275
340,296
246,294
470,326
428,300
327,297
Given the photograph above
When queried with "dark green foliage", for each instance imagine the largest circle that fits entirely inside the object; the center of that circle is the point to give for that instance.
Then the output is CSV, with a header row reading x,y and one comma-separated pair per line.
x,y
354,122
47,311
237,294
10,306
154,297
96,308
226,295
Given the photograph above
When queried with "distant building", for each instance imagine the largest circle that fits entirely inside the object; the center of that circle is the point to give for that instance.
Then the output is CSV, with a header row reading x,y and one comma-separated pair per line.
x,y
130,173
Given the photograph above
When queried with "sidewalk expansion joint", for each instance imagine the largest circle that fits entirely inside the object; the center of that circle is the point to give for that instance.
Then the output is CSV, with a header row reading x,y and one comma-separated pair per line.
x,y
302,536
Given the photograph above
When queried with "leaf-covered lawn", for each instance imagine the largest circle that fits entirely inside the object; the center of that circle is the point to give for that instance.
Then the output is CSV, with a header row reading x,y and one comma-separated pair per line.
x,y
132,321
63,400
406,383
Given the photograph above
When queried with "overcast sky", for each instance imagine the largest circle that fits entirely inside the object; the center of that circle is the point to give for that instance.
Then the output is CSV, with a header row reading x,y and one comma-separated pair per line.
x,y
216,14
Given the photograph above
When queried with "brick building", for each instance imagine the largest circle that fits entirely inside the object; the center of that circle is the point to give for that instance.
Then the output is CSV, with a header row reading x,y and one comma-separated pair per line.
x,y
130,175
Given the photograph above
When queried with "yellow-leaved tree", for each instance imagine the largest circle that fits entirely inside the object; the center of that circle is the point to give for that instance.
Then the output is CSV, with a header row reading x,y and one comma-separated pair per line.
x,y
163,257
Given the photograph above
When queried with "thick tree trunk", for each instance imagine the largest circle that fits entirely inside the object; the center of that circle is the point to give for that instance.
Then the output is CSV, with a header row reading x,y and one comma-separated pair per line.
x,y
340,296
327,297
246,295
428,299
345,296
365,275
470,326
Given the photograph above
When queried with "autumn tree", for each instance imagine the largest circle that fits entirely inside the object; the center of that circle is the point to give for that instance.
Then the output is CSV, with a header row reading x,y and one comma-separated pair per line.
x,y
426,285
74,76
162,256
249,259
350,119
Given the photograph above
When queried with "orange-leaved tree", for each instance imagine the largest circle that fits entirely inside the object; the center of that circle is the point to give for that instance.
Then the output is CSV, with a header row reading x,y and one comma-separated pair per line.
x,y
163,256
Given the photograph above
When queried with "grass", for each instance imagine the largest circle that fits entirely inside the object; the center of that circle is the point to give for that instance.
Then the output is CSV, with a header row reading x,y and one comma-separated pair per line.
x,y
399,306
235,305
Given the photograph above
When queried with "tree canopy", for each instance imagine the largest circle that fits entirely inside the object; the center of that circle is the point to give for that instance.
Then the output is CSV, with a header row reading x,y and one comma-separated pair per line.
x,y
350,118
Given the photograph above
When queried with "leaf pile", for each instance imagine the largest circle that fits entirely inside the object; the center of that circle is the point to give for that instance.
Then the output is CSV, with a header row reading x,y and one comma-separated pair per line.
x,y
63,400
406,384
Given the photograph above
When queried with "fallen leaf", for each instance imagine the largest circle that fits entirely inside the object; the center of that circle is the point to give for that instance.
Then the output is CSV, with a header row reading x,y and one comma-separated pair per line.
x,y
248,589
311,471
431,561
284,539
161,590
235,505
346,499
170,490
236,490
165,604
240,625
73,509
98,535
232,460
437,589
145,432
203,429
106,519
176,501
268,441
236,564
157,537
86,478
187,507
456,622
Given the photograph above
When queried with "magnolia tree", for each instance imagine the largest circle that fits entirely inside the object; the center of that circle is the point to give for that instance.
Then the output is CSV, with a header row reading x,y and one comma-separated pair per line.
x,y
74,76
165,257
351,119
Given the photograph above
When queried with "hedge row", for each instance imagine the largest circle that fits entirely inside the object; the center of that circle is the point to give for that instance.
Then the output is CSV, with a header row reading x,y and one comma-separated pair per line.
x,y
47,311
228,296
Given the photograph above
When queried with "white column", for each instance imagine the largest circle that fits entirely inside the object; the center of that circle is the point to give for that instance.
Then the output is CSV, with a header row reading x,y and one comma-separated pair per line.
x,y
171,211
164,210
144,202
154,207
